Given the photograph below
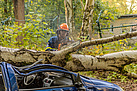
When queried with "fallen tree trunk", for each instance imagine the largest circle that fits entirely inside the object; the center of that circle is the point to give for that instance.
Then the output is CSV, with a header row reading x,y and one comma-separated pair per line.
x,y
77,62
113,61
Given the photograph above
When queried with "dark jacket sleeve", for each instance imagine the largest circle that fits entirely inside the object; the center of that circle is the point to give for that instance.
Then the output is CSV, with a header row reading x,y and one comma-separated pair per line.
x,y
50,45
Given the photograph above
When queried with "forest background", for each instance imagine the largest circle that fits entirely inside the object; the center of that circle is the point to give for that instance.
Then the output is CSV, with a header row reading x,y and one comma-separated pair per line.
x,y
42,18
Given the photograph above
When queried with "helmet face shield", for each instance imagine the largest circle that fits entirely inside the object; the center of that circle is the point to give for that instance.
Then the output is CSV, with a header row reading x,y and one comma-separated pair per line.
x,y
62,34
62,31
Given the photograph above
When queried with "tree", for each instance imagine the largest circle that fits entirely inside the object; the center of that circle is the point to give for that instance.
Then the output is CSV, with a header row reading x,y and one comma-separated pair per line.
x,y
5,7
5,10
132,9
76,62
124,6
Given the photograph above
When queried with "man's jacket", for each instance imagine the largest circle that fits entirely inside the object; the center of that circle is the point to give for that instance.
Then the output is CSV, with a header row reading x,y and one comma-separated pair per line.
x,y
54,44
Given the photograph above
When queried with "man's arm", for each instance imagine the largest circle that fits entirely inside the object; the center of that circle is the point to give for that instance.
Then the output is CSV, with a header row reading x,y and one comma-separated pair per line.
x,y
50,45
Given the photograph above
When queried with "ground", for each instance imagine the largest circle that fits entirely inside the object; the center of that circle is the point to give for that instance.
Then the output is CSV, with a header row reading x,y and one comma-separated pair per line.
x,y
127,84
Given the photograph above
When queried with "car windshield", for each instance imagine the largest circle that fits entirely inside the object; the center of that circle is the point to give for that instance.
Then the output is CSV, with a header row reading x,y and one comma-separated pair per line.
x,y
2,87
44,80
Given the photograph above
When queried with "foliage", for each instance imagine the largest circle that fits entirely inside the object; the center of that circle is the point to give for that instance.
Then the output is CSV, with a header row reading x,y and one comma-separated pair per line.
x,y
121,5
132,68
40,17
6,9
108,15
53,11
115,46
26,36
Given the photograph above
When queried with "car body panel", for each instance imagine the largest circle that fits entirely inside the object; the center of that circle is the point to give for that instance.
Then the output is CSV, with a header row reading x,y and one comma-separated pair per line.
x,y
9,77
45,66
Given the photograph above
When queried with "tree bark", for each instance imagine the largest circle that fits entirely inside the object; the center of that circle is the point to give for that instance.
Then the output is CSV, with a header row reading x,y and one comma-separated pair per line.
x,y
19,13
114,61
69,15
87,18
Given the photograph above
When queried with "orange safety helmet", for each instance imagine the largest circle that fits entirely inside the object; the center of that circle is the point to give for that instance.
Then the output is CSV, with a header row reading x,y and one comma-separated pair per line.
x,y
63,26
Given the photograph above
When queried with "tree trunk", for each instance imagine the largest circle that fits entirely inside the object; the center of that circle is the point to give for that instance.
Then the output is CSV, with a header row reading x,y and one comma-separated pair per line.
x,y
114,61
87,18
19,13
69,15
5,8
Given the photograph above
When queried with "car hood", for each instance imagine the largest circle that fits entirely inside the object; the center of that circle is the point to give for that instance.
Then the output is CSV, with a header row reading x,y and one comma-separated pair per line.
x,y
95,81
100,82
104,84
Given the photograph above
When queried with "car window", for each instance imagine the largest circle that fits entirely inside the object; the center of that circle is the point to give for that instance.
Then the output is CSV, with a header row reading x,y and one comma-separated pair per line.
x,y
2,87
45,80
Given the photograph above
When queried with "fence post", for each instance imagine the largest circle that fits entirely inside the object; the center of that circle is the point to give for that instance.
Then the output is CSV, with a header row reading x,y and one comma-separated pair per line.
x,y
98,24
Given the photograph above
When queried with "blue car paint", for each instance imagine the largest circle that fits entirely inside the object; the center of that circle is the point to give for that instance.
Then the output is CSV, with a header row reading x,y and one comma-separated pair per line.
x,y
45,65
4,77
90,84
12,78
9,77
43,70
100,84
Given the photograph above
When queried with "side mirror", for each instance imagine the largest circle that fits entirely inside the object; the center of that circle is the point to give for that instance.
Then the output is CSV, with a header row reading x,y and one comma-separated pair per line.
x,y
79,84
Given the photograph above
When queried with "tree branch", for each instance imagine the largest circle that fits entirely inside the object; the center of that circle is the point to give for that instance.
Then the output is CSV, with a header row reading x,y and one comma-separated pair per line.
x,y
75,46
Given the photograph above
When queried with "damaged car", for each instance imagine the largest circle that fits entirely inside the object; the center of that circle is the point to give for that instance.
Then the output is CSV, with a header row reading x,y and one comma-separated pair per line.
x,y
48,77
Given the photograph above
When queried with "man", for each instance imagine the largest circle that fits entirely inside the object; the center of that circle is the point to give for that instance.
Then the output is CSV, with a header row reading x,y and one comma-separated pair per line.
x,y
61,39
